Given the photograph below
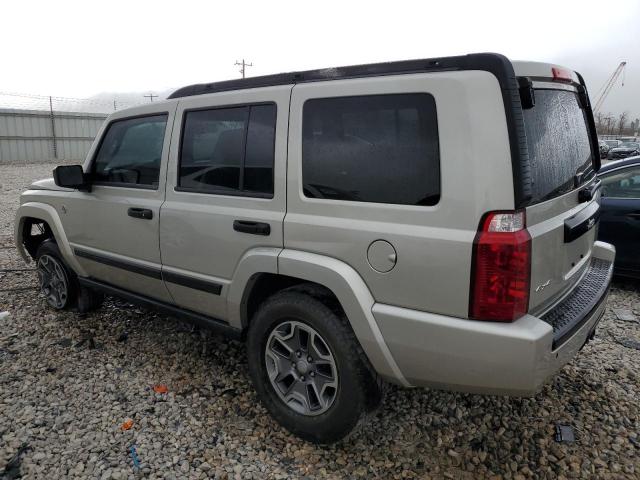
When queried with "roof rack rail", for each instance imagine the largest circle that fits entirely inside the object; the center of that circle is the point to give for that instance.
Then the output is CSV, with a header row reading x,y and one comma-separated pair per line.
x,y
495,63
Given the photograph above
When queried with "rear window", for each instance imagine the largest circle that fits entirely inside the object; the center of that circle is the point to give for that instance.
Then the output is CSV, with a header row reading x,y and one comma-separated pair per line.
x,y
373,148
558,141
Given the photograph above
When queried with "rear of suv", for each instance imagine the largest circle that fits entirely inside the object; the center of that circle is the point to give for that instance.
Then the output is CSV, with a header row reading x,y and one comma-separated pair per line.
x,y
425,223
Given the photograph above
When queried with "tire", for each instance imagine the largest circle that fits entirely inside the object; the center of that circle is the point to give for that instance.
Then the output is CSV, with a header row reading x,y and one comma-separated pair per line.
x,y
88,300
59,284
347,383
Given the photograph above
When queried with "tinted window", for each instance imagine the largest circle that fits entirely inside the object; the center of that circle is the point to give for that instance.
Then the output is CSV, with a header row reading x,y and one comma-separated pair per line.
x,y
377,148
130,151
214,158
258,166
558,141
622,184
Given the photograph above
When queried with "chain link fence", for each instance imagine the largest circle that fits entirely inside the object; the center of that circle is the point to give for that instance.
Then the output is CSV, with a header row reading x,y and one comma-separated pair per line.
x,y
38,128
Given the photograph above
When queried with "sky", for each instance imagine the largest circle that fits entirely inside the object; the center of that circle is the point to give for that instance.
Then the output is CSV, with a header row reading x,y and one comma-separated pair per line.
x,y
128,48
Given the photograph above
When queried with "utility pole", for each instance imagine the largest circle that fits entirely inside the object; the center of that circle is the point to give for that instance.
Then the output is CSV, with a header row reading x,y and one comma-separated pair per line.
x,y
114,105
151,96
244,66
53,129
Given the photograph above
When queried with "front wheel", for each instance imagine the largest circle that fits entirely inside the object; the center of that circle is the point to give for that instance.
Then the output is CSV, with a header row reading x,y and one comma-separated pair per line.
x,y
56,282
59,284
308,368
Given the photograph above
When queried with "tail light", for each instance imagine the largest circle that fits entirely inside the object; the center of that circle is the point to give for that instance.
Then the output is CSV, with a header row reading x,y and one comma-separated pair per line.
x,y
501,268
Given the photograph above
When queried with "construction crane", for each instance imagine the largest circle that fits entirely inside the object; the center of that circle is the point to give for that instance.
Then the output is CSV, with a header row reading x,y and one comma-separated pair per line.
x,y
606,88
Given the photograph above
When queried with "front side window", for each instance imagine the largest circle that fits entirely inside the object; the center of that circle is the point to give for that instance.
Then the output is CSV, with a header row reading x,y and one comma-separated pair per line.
x,y
374,148
131,151
622,184
229,150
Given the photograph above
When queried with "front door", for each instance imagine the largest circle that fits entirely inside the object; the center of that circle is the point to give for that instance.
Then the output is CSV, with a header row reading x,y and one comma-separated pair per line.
x,y
114,229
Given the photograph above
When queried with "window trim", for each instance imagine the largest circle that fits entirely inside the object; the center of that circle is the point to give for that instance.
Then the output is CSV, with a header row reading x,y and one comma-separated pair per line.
x,y
220,192
92,164
361,202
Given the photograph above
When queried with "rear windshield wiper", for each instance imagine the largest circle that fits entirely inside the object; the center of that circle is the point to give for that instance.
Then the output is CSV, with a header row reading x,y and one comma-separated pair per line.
x,y
559,190
583,176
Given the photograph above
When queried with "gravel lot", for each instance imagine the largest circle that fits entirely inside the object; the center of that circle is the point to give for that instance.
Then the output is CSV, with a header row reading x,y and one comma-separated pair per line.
x,y
68,383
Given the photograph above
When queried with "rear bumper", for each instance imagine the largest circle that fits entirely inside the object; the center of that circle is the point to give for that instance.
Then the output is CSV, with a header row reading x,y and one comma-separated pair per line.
x,y
495,358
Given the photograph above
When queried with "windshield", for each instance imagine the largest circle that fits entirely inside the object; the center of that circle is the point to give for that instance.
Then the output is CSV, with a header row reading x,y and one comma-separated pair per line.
x,y
558,141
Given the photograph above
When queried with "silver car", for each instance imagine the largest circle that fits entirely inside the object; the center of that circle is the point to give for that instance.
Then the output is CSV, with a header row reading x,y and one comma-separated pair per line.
x,y
425,223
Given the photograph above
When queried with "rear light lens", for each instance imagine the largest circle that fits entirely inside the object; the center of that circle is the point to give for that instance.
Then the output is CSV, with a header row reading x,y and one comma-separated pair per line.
x,y
560,74
501,268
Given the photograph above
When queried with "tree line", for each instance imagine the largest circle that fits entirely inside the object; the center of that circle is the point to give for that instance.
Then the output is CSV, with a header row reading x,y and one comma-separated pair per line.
x,y
610,124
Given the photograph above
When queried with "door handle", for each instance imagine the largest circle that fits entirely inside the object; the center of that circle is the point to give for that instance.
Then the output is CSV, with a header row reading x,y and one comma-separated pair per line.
x,y
634,215
255,228
143,213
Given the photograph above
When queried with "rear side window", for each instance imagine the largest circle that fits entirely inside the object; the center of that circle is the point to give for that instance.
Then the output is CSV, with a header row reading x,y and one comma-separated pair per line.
x,y
130,152
229,150
374,148
558,141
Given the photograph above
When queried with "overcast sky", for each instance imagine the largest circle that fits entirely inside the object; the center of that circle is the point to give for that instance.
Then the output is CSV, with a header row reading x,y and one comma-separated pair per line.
x,y
80,49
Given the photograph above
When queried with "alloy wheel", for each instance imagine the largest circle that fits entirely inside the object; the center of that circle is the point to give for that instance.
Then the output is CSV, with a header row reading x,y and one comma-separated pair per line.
x,y
301,368
53,281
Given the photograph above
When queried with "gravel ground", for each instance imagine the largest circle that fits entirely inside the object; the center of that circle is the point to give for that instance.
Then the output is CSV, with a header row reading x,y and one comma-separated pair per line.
x,y
68,383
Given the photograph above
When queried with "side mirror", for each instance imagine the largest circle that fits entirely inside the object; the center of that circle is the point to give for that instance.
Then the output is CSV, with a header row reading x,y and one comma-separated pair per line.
x,y
70,176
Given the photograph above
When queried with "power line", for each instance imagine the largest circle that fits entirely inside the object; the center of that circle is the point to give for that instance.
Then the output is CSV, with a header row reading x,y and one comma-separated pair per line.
x,y
151,96
59,99
27,101
244,66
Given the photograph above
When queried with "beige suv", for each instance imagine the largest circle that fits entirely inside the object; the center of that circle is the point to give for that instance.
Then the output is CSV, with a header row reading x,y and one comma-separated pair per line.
x,y
425,223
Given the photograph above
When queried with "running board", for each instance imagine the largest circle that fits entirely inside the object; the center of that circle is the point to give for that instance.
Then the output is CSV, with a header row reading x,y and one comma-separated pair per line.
x,y
215,324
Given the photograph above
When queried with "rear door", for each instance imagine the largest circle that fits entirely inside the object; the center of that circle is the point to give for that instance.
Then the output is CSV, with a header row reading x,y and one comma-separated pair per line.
x,y
562,163
225,191
620,220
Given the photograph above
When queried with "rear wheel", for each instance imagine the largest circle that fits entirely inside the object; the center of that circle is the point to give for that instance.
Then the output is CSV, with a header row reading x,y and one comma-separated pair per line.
x,y
59,284
308,368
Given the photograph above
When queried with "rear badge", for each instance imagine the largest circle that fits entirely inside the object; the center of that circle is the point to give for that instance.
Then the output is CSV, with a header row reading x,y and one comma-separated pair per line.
x,y
539,288
591,223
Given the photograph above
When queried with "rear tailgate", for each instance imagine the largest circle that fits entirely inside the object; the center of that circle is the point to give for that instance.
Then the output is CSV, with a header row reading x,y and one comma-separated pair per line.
x,y
561,221
563,232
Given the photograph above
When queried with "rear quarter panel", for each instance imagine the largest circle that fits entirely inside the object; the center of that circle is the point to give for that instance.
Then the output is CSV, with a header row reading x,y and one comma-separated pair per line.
x,y
433,243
